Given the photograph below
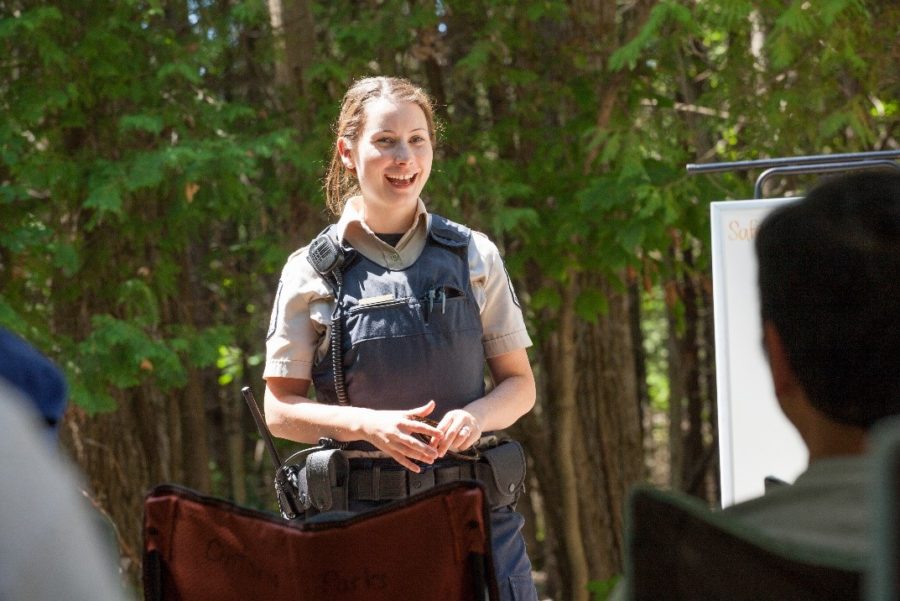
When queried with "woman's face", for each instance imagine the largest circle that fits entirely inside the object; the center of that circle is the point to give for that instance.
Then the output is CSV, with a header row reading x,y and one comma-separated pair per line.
x,y
392,156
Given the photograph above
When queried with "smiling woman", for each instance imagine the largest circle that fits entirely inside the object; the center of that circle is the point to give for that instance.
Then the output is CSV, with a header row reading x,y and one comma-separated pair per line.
x,y
378,112
389,317
391,159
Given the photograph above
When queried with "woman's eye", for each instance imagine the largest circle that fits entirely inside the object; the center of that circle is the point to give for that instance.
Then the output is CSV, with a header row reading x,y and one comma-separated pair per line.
x,y
384,141
417,140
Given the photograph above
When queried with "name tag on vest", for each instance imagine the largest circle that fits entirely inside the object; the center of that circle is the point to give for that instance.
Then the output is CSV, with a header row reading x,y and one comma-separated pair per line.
x,y
372,300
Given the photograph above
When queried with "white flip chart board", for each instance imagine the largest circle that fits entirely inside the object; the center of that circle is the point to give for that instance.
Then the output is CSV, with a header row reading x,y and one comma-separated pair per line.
x,y
755,439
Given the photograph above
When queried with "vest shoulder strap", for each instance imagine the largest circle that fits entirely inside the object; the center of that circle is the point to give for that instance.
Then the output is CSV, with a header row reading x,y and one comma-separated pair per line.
x,y
449,233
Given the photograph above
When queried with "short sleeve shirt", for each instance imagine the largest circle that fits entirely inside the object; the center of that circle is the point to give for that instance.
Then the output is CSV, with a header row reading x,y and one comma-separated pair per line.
x,y
299,326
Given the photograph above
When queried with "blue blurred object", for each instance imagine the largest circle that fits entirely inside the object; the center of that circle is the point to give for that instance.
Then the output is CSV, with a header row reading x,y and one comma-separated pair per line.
x,y
34,375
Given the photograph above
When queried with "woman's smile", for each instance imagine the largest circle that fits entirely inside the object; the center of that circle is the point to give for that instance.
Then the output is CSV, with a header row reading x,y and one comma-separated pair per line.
x,y
402,181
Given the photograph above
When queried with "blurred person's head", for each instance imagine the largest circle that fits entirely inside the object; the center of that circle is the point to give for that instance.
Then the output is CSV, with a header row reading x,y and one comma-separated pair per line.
x,y
829,280
35,377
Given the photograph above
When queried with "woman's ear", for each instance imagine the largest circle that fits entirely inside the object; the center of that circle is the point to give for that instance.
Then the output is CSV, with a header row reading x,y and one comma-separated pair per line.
x,y
346,155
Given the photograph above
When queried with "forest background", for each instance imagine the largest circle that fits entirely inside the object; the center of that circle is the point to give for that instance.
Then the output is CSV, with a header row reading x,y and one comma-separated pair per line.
x,y
160,159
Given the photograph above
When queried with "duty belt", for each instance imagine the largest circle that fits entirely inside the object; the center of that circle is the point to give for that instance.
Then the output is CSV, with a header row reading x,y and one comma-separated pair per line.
x,y
500,469
328,480
379,481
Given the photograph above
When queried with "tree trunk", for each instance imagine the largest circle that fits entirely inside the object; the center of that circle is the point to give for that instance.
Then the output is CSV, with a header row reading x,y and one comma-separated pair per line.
x,y
584,438
612,422
676,391
122,455
692,442
589,438
193,402
567,436
233,409
695,365
293,27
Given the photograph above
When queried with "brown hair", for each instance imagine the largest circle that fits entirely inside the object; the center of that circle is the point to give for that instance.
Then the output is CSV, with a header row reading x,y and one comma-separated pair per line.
x,y
339,183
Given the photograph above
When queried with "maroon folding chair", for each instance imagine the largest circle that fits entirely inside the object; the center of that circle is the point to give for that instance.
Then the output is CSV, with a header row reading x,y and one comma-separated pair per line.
x,y
435,545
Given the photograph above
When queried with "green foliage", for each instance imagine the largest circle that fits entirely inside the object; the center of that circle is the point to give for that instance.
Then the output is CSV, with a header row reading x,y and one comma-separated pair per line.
x,y
119,354
601,589
590,304
125,166
153,179
662,12
153,182
655,343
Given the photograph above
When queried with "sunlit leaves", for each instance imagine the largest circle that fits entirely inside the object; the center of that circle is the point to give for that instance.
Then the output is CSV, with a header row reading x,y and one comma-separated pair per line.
x,y
65,258
29,233
139,303
104,190
803,21
545,298
124,169
512,218
627,55
123,355
152,124
38,25
201,348
590,304
176,73
477,57
230,364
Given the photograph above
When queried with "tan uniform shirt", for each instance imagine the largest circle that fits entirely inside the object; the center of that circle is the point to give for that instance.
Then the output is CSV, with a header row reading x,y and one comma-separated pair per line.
x,y
299,327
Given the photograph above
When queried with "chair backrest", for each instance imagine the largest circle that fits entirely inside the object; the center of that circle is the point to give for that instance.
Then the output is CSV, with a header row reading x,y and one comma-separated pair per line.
x,y
431,546
884,567
678,549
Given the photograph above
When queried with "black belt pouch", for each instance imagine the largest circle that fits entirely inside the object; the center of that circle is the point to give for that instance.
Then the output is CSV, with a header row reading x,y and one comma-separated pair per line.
x,y
502,471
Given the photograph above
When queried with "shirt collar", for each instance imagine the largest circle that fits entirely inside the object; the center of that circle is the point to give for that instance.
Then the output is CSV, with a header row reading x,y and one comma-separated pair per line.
x,y
352,228
353,215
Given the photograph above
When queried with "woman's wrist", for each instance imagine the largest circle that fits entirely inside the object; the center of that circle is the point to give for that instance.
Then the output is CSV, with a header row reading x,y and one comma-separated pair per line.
x,y
476,412
359,424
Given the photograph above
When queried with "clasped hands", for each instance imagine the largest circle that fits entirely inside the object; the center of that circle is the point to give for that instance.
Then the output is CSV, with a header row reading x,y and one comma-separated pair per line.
x,y
407,438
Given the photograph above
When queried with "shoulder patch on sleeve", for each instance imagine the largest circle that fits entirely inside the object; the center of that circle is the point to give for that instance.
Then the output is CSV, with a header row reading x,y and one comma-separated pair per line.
x,y
276,311
512,289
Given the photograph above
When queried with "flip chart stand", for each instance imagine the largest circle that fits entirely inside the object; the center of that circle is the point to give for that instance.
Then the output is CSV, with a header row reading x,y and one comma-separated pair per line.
x,y
748,412
819,163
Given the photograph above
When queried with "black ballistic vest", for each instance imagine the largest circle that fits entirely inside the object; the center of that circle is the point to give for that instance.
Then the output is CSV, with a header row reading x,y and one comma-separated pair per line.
x,y
412,335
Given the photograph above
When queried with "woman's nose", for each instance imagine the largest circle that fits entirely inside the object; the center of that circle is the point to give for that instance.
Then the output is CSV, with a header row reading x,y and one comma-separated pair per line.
x,y
401,153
